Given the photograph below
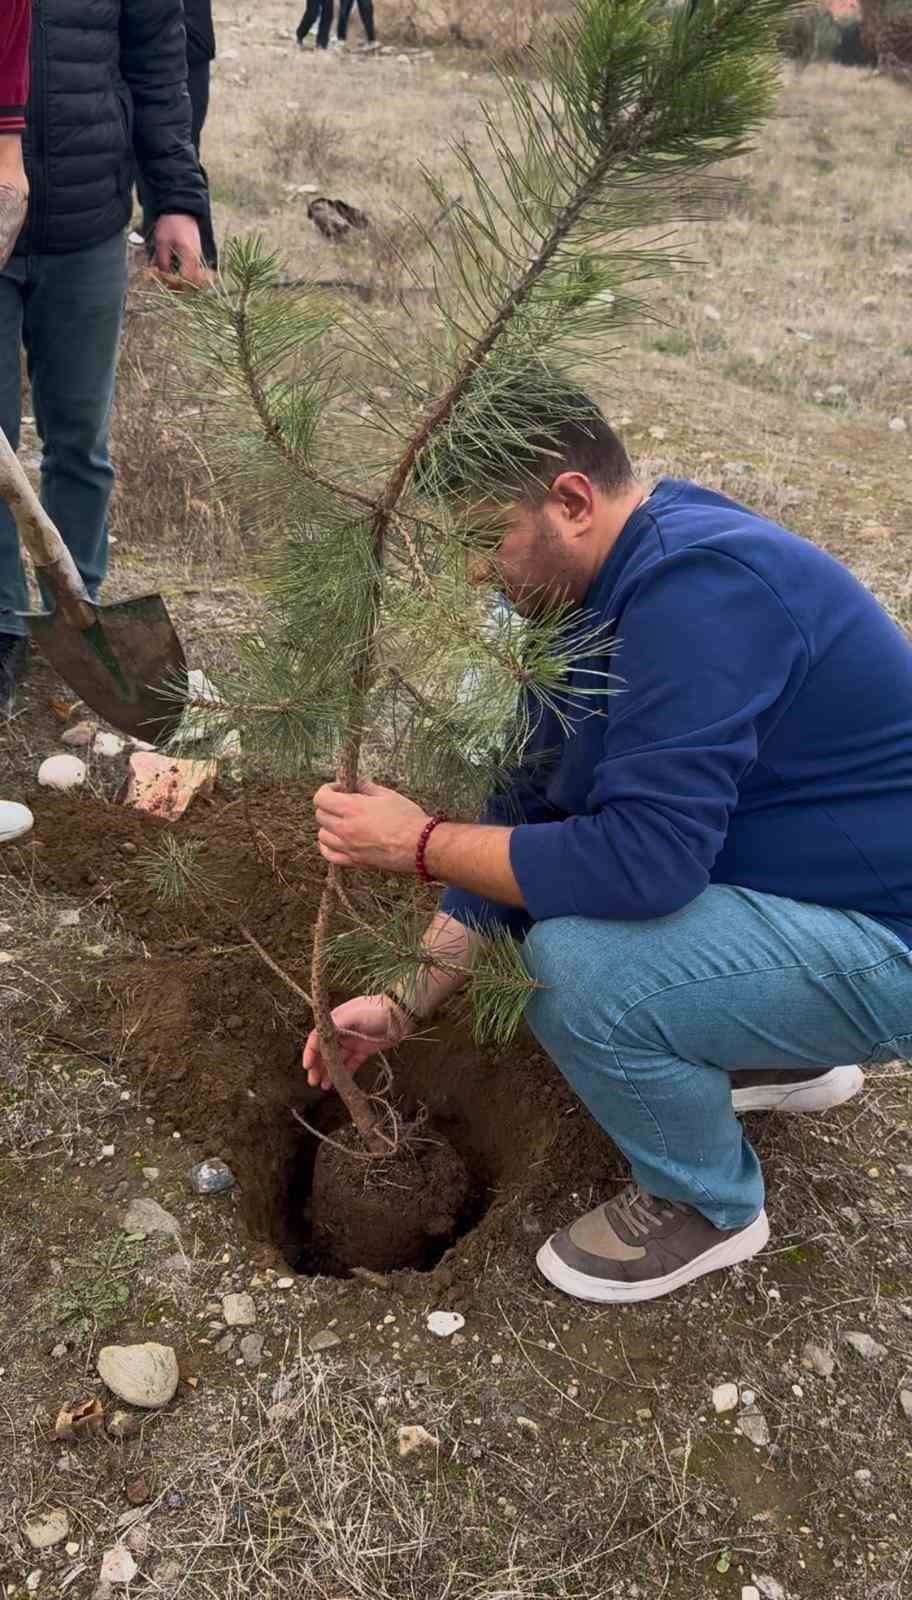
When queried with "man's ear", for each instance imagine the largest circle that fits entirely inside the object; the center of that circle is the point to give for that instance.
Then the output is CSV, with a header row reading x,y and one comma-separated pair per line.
x,y
572,497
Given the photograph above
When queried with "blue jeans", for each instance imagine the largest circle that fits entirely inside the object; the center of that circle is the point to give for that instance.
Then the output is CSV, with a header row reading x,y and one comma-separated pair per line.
x,y
646,1019
67,312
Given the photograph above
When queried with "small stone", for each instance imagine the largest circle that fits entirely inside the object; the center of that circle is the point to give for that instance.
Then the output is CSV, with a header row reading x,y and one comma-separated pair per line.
x,y
713,313
212,1177
251,1348
225,1344
754,1426
59,1351
118,1565
445,1323
905,1403
814,1358
748,1397
137,1539
137,1491
71,1548
44,1532
239,1310
142,1374
749,1591
865,1346
770,1588
658,433
128,847
62,772
123,1425
863,1476
284,1283
68,919
528,1426
150,1174
851,1215
33,1581
165,785
897,425
108,744
412,1436
324,1340
108,1151
147,1216
725,1397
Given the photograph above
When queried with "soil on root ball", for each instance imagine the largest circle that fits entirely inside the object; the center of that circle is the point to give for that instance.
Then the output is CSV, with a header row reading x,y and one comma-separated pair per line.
x,y
389,1211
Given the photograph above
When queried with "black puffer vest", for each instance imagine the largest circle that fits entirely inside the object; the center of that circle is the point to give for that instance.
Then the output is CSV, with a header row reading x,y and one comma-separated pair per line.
x,y
108,94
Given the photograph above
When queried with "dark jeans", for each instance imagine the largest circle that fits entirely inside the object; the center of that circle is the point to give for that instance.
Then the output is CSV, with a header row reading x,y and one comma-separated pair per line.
x,y
198,90
366,13
66,310
317,8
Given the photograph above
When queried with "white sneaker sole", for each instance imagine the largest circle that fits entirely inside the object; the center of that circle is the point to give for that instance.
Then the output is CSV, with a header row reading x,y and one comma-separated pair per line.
x,y
818,1094
740,1247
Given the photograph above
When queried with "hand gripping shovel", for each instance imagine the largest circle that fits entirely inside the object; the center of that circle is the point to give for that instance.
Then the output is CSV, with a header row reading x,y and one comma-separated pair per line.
x,y
123,660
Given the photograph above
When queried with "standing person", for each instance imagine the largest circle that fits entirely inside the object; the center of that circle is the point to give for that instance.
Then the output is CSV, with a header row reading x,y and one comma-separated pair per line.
x,y
366,13
322,9
200,56
108,92
712,876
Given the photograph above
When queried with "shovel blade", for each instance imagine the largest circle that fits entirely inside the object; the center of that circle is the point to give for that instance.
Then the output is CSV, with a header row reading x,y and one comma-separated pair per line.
x,y
129,666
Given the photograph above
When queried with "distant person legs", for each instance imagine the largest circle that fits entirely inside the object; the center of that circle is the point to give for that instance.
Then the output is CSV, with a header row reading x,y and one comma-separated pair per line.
x,y
322,9
366,12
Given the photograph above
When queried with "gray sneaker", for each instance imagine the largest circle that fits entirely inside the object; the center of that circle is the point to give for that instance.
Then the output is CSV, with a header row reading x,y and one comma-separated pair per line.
x,y
784,1090
636,1247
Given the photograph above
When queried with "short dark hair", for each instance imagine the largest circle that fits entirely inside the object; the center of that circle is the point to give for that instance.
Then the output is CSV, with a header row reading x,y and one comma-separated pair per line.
x,y
514,432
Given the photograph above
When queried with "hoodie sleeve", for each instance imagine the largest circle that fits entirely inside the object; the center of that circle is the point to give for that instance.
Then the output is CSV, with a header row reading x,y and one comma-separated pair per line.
x,y
677,744
15,34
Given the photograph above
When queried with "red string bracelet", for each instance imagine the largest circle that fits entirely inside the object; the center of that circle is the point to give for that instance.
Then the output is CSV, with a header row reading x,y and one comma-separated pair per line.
x,y
421,846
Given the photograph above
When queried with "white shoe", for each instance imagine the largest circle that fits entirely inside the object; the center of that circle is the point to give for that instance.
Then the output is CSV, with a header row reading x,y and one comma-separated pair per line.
x,y
795,1091
15,820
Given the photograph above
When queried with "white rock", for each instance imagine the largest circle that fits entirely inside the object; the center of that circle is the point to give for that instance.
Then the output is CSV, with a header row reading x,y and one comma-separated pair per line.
x,y
150,1174
62,772
754,1426
59,1351
725,1397
33,1581
898,424
69,918
905,1402
108,1151
45,1531
324,1340
147,1216
412,1436
814,1358
284,1283
865,1346
117,1565
137,1539
749,1592
747,1397
713,313
142,1374
108,744
72,1549
445,1323
238,1310
81,734
770,1588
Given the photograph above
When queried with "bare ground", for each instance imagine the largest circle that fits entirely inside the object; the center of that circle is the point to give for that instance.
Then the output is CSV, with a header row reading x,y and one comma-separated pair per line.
x,y
578,1451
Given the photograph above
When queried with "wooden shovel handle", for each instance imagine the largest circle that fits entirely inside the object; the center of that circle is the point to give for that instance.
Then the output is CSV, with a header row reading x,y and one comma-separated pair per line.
x,y
52,559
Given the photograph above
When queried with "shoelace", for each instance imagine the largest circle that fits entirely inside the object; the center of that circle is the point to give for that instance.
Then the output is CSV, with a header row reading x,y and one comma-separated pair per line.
x,y
640,1213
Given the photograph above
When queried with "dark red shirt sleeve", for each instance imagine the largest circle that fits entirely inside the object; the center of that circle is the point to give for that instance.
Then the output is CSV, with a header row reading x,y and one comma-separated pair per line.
x,y
15,33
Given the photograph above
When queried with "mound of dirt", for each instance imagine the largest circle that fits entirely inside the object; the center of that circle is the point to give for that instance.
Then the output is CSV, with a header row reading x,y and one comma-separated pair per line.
x,y
395,1211
213,1038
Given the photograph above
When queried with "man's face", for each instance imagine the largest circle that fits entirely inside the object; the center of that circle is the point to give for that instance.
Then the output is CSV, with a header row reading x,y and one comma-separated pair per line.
x,y
529,553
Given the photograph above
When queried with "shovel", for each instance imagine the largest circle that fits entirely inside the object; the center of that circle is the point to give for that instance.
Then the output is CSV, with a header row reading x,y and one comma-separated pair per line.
x,y
125,660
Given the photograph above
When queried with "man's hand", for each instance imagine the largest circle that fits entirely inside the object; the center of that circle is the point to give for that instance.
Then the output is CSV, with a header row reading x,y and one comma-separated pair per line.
x,y
14,192
376,827
177,235
374,1024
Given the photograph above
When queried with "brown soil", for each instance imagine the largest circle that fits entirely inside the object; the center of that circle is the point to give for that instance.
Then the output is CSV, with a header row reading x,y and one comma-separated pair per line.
x,y
389,1212
213,1039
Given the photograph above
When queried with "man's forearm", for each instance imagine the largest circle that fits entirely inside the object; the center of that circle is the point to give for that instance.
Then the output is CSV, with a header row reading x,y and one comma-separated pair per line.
x,y
454,945
13,193
468,855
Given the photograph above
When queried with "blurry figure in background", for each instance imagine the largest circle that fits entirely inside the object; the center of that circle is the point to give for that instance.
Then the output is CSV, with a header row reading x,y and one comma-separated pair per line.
x,y
366,13
322,9
200,55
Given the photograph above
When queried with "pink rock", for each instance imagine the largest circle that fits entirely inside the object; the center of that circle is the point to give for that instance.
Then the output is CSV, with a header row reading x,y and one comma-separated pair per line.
x,y
164,785
81,733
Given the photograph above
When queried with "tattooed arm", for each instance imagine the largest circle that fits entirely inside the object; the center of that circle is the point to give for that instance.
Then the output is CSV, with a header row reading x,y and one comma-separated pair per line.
x,y
15,28
13,194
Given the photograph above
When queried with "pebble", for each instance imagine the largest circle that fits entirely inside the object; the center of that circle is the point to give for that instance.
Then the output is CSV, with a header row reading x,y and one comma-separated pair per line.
x,y
528,1426
81,734
754,1426
748,1398
44,1532
284,1283
59,1351
905,1403
898,424
251,1348
814,1358
324,1340
725,1397
412,1436
118,1565
33,1581
142,1374
68,919
239,1310
713,313
863,1476
212,1177
62,772
865,1346
147,1216
108,744
108,1151
749,1592
71,1548
445,1323
137,1539
770,1588
150,1174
